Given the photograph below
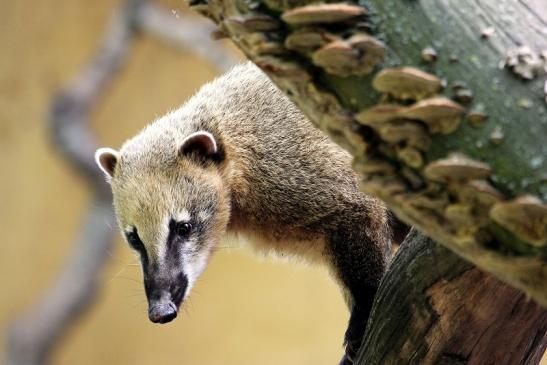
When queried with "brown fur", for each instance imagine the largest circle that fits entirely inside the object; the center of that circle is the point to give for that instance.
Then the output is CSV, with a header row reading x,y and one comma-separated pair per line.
x,y
277,180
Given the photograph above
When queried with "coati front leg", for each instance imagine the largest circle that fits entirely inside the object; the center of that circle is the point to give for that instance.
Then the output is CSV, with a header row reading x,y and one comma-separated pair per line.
x,y
359,261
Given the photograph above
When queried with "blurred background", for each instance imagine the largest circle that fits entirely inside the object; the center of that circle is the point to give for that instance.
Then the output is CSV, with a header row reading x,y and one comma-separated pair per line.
x,y
244,310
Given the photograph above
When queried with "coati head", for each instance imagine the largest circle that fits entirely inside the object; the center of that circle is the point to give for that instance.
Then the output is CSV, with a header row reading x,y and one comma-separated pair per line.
x,y
172,208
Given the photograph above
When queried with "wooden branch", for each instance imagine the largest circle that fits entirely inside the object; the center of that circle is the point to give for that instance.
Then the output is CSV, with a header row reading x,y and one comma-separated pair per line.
x,y
435,308
33,336
436,109
188,34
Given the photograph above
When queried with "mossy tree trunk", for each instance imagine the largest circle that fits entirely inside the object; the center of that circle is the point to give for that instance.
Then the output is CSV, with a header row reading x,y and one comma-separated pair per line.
x,y
443,104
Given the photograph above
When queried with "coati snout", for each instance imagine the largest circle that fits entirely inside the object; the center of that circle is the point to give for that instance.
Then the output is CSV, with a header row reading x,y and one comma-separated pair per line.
x,y
164,296
166,283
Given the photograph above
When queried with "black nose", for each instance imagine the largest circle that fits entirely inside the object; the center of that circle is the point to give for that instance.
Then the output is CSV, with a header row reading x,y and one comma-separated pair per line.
x,y
162,312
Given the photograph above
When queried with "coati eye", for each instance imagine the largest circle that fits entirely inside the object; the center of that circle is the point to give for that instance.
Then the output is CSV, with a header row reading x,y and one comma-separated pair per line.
x,y
183,228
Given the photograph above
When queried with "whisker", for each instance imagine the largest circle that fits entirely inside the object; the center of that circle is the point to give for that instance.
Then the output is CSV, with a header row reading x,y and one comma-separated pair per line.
x,y
227,248
117,274
141,304
135,290
185,310
134,295
130,279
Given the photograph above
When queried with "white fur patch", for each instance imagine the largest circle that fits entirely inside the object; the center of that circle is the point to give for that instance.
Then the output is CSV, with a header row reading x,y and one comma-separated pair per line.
x,y
204,215
193,268
163,234
183,216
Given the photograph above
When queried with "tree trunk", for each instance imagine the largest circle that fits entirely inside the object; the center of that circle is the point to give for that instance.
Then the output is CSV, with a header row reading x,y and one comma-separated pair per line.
x,y
367,76
435,308
443,105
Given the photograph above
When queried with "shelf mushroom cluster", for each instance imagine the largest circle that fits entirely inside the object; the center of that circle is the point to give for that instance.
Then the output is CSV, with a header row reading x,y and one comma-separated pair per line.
x,y
451,196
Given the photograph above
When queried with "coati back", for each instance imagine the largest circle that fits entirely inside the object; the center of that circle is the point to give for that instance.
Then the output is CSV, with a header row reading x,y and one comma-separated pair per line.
x,y
239,157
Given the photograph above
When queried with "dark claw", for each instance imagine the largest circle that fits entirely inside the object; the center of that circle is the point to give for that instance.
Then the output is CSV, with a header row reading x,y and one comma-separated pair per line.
x,y
351,353
345,361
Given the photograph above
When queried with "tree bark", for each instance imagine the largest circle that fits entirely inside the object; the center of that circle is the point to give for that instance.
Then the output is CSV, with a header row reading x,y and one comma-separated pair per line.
x,y
438,101
435,308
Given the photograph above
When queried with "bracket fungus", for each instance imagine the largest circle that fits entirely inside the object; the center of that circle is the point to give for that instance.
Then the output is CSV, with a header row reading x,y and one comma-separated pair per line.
x,y
356,56
487,32
479,191
461,215
322,13
307,40
336,57
251,23
259,44
440,114
406,83
525,216
379,114
383,185
525,62
477,117
457,167
279,68
464,95
497,136
404,131
411,156
370,48
369,166
429,55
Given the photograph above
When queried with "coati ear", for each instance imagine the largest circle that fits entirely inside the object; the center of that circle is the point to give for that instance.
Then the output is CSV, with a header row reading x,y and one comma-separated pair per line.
x,y
201,144
107,158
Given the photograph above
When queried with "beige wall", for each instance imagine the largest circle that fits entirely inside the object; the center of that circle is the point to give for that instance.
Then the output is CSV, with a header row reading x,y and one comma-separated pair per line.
x,y
243,311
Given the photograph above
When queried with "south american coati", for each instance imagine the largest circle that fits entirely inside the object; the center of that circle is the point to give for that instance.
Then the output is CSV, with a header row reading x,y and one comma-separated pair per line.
x,y
239,157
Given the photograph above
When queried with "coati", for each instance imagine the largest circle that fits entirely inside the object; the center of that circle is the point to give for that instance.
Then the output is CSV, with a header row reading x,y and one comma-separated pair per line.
x,y
239,157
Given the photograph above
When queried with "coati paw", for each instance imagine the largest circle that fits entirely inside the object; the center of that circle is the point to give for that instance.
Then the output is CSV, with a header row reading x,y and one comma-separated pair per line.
x,y
351,354
346,361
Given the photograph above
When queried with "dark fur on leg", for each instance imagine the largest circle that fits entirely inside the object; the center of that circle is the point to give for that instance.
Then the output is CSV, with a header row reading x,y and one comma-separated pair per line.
x,y
360,262
356,329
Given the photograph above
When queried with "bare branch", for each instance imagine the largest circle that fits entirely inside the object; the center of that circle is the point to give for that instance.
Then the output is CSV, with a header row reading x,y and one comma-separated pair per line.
x,y
32,337
188,34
